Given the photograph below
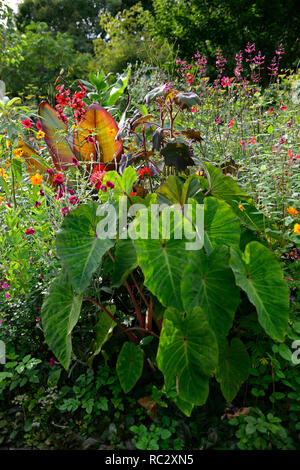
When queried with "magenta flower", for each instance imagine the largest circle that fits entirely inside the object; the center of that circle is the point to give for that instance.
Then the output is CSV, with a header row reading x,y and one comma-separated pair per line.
x,y
103,188
75,161
42,192
225,81
91,139
74,200
37,204
29,231
65,211
5,285
37,319
31,260
110,184
50,171
7,295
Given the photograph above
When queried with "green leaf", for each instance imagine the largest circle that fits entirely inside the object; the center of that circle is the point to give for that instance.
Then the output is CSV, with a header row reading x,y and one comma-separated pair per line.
x,y
78,247
129,365
175,191
208,282
234,367
224,187
162,260
259,274
16,168
221,226
60,313
187,99
188,354
118,88
252,218
103,331
125,261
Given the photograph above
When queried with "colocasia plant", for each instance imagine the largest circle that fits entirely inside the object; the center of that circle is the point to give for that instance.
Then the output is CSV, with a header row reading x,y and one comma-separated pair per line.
x,y
168,252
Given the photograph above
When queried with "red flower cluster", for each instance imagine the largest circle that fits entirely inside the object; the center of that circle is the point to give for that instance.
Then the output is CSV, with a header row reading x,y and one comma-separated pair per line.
x,y
64,99
96,178
143,172
58,178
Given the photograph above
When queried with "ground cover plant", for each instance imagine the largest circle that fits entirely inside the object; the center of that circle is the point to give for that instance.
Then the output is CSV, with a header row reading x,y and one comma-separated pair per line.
x,y
150,246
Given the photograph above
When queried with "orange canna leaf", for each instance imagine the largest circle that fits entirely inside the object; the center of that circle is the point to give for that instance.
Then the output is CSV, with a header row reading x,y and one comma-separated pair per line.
x,y
97,131
32,160
55,137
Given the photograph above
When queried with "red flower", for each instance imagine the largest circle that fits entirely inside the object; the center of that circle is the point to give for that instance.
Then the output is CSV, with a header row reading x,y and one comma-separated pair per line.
x,y
75,161
27,123
283,107
29,231
110,184
39,126
96,179
252,141
190,78
132,194
58,179
51,362
225,81
230,124
143,172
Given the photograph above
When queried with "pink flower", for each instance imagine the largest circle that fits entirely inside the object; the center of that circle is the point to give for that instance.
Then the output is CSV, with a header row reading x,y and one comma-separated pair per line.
x,y
103,188
91,139
74,200
7,295
65,211
37,204
190,78
75,161
37,319
42,192
31,260
218,121
110,184
29,231
5,286
27,123
225,81
194,109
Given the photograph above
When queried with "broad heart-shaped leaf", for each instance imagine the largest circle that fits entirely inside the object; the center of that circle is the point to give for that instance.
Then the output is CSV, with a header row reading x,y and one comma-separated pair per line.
x,y
125,261
103,331
208,282
97,122
78,247
188,353
129,365
60,313
259,274
161,259
234,367
55,137
175,191
221,226
253,218
224,187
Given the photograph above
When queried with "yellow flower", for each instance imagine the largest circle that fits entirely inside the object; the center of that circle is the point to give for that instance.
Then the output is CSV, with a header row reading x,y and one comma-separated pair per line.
x,y
36,179
241,207
297,229
291,210
199,172
3,173
18,153
40,135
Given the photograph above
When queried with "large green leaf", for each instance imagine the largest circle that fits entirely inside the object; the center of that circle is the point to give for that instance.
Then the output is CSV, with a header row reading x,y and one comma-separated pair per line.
x,y
162,260
259,274
224,187
208,282
188,354
234,367
125,261
60,313
103,331
129,365
175,191
118,88
221,226
78,247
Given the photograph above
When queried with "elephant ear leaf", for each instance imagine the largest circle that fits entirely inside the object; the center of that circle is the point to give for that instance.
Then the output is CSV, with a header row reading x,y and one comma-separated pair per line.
x,y
56,137
97,122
